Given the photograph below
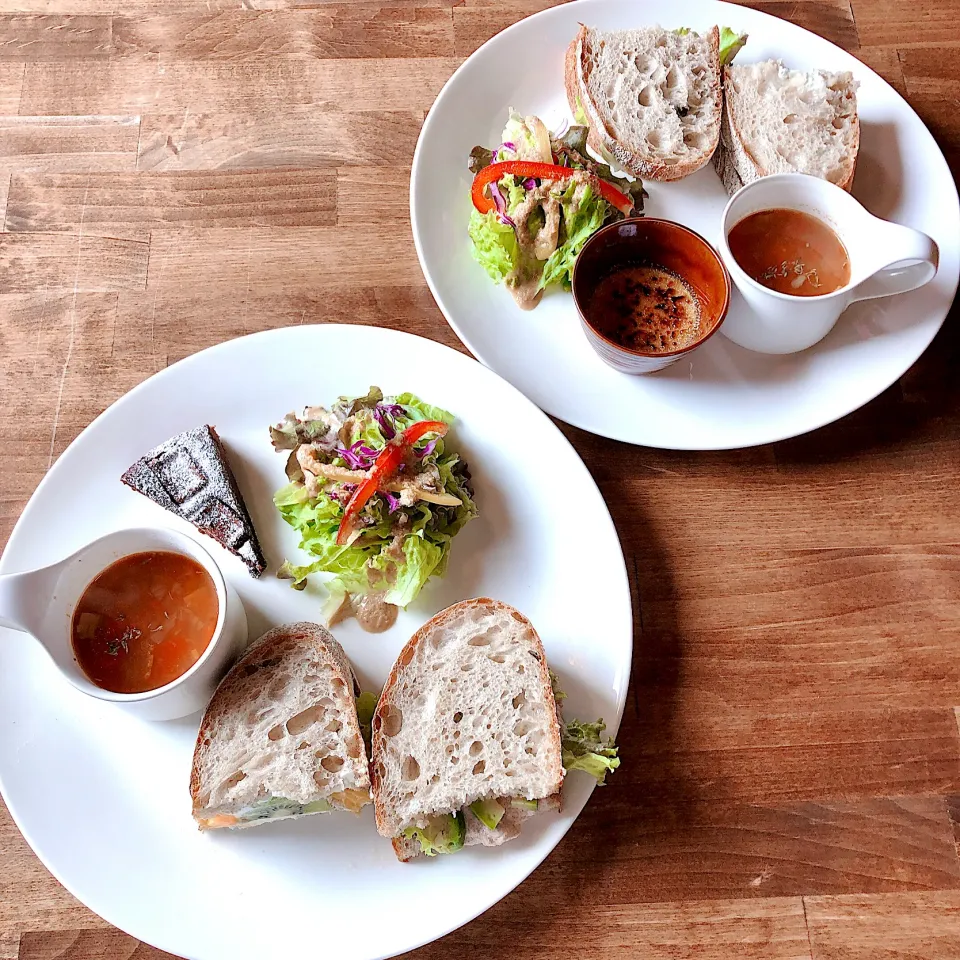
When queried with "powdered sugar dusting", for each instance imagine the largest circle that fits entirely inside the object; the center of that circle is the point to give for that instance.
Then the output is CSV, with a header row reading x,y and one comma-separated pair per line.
x,y
189,475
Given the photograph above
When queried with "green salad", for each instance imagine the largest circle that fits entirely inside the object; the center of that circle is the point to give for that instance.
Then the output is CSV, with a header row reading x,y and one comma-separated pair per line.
x,y
375,494
538,197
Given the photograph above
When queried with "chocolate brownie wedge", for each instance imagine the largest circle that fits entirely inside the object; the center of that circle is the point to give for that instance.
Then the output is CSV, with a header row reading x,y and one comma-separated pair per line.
x,y
189,475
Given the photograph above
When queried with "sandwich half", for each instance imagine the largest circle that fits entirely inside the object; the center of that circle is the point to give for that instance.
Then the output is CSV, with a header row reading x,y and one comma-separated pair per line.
x,y
650,96
777,120
281,737
467,738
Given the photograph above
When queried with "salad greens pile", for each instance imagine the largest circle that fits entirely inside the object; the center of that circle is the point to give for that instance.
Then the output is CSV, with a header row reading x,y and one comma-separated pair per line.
x,y
401,537
531,238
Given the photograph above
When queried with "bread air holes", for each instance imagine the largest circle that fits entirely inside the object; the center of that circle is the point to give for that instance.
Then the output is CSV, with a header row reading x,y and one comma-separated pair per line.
x,y
480,639
304,719
673,77
457,717
334,726
410,769
332,764
478,768
694,140
354,748
519,700
654,140
790,118
391,720
476,748
646,96
645,65
232,781
277,733
522,727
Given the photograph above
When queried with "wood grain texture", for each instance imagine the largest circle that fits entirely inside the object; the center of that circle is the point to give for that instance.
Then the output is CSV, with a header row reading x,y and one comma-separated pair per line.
x,y
174,175
50,262
909,926
68,143
129,206
322,33
296,136
11,82
127,86
44,37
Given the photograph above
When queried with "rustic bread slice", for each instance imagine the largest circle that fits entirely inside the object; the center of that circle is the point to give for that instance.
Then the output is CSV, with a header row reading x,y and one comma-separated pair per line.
x,y
777,120
650,96
281,738
467,714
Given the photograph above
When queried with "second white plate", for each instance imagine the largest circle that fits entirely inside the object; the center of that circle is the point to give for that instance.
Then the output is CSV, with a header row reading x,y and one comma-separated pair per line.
x,y
722,396
102,798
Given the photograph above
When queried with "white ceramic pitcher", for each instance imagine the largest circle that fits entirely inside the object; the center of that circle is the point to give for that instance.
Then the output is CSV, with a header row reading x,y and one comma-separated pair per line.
x,y
885,259
41,602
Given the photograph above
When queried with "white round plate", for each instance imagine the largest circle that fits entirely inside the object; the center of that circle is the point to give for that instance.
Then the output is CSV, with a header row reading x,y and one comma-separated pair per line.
x,y
103,799
722,396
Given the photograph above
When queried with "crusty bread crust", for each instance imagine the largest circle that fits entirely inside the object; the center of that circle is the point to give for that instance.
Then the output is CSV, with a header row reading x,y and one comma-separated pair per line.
x,y
570,83
388,696
600,138
263,654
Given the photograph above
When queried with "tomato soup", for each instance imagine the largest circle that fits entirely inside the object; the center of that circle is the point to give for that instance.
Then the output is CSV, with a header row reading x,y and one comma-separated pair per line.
x,y
144,621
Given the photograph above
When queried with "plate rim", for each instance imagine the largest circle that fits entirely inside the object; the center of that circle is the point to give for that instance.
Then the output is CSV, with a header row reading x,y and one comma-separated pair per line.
x,y
613,434
621,571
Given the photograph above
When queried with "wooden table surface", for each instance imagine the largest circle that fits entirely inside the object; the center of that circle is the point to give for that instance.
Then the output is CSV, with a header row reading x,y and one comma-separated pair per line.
x,y
176,174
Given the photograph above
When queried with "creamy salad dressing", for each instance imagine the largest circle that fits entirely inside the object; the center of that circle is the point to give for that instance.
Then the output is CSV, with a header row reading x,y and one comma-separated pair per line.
x,y
524,281
371,611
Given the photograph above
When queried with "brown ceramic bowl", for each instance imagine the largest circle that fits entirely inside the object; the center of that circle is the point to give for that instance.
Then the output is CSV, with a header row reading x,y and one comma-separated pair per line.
x,y
666,244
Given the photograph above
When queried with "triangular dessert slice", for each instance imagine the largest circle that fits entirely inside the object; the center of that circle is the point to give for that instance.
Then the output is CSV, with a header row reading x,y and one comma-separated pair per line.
x,y
189,475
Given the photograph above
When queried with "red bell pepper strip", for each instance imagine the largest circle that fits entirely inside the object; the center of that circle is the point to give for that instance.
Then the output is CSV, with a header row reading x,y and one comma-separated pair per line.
x,y
540,171
384,467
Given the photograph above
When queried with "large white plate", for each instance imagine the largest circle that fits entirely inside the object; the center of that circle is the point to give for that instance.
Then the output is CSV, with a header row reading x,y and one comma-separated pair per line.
x,y
723,396
103,799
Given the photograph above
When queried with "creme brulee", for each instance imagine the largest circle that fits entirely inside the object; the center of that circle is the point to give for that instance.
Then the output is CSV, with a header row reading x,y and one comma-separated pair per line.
x,y
144,621
791,252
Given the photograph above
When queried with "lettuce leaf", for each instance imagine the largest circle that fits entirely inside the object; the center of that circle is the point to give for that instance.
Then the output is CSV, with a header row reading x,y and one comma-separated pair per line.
x,y
583,748
366,705
731,44
494,245
580,222
418,410
579,114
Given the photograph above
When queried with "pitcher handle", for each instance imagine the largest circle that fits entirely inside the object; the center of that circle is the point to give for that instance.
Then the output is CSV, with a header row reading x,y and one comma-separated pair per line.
x,y
917,258
23,599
